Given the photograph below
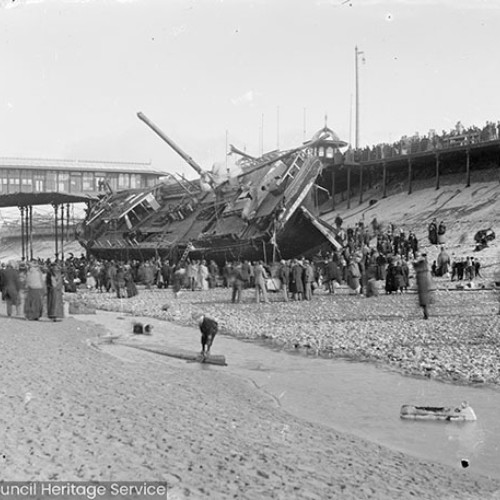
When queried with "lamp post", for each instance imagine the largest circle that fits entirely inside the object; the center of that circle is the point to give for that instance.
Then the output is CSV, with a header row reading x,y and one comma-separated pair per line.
x,y
358,53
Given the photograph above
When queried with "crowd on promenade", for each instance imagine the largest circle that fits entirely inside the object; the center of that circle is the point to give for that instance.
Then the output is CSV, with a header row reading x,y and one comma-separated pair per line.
x,y
458,136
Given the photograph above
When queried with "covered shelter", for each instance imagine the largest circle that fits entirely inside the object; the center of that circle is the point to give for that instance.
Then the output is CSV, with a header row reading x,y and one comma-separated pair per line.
x,y
60,202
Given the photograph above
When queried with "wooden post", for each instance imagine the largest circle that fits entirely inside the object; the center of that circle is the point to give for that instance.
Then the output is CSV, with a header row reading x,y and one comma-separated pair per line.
x,y
360,183
410,175
21,209
31,230
56,232
467,166
62,231
384,180
348,185
26,230
437,170
333,187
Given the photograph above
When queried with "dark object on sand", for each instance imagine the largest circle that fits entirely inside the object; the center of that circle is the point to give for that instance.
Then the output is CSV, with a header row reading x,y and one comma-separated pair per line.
x,y
462,413
483,237
181,354
141,329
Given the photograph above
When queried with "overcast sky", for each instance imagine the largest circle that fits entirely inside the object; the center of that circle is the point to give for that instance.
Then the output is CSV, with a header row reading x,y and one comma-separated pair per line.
x,y
74,74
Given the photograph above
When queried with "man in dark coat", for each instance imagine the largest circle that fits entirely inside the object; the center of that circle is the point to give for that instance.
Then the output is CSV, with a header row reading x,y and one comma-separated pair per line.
x,y
423,284
209,328
10,285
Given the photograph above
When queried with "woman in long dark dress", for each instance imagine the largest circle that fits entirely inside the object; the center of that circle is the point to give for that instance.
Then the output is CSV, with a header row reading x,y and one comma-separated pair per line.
x,y
33,306
54,281
129,283
423,279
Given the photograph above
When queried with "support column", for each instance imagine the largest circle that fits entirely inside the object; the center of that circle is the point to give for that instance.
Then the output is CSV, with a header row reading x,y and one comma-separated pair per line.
x,y
410,175
23,255
26,231
56,232
348,186
62,231
437,170
384,180
360,183
467,167
31,231
333,187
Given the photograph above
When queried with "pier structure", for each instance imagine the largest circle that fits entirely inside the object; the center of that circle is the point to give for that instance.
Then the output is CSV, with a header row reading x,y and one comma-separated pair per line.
x,y
362,169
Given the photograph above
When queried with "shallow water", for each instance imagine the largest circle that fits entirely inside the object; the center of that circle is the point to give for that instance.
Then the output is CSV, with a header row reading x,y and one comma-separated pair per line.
x,y
358,398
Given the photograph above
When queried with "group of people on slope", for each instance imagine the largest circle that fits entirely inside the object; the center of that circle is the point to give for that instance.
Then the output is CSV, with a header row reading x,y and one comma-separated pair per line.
x,y
32,288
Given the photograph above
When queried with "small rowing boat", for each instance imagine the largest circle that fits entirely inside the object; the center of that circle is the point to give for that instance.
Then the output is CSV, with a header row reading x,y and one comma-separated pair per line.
x,y
461,413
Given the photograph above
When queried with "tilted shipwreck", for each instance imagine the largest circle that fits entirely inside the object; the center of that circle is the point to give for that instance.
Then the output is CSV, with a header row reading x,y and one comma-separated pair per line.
x,y
263,213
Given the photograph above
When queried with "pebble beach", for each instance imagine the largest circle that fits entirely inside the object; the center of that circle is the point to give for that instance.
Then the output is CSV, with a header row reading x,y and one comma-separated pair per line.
x,y
459,344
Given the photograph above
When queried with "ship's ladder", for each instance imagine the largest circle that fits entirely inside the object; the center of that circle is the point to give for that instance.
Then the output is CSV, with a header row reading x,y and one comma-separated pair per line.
x,y
293,169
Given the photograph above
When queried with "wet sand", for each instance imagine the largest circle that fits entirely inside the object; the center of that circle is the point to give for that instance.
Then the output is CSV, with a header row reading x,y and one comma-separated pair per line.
x,y
72,412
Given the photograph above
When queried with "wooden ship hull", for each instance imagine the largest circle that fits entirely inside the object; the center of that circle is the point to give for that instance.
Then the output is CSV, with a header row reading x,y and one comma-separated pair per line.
x,y
261,214
461,413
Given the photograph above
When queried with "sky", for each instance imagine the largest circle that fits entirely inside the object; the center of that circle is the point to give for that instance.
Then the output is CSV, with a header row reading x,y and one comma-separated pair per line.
x,y
259,74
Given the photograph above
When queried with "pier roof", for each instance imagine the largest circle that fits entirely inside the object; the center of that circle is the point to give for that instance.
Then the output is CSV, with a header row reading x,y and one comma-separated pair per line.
x,y
27,199
79,165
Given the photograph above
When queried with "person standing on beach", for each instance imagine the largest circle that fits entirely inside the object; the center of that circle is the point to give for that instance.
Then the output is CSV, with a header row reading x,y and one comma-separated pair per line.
x,y
284,276
237,284
55,285
260,282
10,285
33,307
423,284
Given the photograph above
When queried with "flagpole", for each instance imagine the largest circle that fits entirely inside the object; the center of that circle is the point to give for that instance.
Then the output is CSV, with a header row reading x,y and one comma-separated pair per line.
x,y
227,168
356,53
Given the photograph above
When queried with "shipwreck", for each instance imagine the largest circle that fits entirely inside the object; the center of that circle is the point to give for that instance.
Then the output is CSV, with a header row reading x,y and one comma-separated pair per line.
x,y
265,212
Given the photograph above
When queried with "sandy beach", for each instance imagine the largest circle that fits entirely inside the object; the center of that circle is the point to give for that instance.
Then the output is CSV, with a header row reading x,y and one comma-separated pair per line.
x,y
73,412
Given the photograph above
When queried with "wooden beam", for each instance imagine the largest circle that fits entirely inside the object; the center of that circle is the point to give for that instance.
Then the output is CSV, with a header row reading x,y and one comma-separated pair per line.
x,y
213,359
467,167
333,187
348,186
360,183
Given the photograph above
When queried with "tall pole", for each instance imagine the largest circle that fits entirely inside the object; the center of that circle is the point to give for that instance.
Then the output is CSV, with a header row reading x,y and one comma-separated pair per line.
x,y
357,53
356,143
227,168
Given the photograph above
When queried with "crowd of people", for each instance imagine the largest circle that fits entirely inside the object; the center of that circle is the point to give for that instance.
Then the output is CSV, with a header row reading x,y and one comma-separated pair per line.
x,y
32,288
458,136
366,256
